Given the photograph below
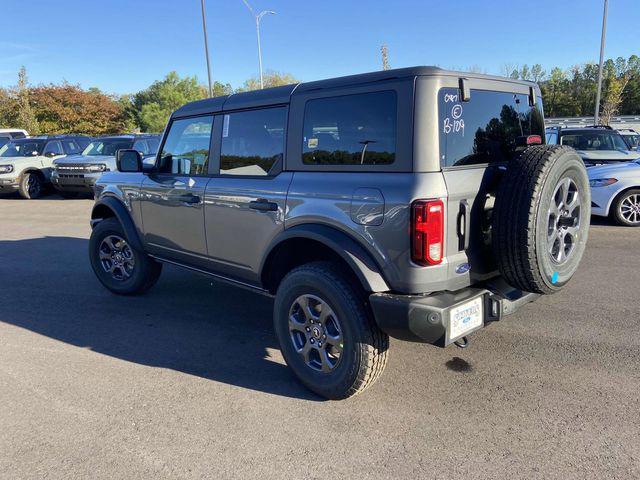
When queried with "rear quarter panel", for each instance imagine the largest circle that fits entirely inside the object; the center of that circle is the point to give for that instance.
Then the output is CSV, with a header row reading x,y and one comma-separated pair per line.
x,y
326,198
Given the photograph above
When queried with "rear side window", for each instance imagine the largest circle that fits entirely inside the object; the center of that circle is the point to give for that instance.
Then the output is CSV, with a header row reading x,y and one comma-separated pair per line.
x,y
186,148
252,141
485,129
350,130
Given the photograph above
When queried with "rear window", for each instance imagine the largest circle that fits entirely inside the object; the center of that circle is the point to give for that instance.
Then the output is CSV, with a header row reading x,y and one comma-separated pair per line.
x,y
485,129
350,130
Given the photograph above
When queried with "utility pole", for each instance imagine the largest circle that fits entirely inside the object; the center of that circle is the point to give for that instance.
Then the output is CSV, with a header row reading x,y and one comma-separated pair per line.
x,y
258,17
206,48
596,117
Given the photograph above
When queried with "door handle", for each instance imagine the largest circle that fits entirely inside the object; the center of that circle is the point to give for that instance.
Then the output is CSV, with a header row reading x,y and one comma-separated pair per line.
x,y
263,205
189,198
464,225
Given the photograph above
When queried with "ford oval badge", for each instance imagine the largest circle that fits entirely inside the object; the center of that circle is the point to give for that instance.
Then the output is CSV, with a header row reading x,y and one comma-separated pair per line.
x,y
463,268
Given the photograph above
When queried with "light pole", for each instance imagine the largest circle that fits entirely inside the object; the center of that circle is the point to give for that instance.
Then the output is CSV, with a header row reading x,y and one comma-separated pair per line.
x,y
206,47
596,117
258,17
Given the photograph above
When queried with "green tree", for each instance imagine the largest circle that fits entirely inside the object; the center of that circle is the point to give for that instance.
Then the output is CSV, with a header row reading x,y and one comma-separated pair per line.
x,y
25,117
271,79
150,109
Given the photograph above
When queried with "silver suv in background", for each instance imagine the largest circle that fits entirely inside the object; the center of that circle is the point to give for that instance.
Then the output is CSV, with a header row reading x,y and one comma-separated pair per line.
x,y
78,174
415,203
26,164
596,145
631,138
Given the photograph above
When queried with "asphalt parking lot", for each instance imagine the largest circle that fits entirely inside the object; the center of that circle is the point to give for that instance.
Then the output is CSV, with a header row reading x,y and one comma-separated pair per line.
x,y
187,381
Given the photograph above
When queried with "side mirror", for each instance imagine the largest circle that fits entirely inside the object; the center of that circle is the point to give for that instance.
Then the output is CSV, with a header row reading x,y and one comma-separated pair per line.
x,y
50,154
129,161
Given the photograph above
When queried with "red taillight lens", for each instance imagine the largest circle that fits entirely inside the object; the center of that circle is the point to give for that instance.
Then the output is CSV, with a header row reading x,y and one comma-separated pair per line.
x,y
427,232
534,140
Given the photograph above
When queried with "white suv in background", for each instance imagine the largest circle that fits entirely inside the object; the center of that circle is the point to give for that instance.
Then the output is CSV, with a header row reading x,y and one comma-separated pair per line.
x,y
26,163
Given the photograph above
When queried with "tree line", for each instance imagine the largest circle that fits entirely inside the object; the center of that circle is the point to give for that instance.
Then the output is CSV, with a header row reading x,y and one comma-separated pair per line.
x,y
68,108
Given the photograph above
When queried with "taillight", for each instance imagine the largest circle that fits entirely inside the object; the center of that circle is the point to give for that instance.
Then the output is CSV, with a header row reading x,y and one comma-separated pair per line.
x,y
427,232
534,140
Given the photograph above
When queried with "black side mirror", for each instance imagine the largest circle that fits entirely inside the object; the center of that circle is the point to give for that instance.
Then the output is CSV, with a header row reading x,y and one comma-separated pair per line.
x,y
129,160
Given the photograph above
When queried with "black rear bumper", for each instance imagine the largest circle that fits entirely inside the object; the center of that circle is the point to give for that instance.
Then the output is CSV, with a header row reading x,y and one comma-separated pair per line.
x,y
426,318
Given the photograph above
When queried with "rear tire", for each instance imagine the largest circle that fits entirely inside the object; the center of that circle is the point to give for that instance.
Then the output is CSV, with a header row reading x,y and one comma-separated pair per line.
x,y
119,267
626,209
345,350
541,218
31,185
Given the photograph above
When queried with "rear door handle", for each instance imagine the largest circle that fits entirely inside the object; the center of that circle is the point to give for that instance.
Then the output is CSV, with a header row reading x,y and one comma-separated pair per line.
x,y
263,205
189,198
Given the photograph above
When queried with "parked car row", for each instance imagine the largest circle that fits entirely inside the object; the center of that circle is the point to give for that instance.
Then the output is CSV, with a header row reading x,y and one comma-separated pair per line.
x,y
71,163
613,164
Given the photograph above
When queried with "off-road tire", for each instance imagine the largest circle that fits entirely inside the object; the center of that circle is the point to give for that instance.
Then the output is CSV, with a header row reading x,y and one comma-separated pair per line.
x,y
365,350
31,185
146,270
616,214
521,221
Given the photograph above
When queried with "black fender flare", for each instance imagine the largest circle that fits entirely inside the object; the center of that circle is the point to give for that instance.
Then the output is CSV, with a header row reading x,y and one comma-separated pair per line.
x,y
354,254
123,216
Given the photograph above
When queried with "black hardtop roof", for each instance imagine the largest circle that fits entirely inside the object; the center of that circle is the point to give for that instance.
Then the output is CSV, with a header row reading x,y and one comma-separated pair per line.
x,y
282,95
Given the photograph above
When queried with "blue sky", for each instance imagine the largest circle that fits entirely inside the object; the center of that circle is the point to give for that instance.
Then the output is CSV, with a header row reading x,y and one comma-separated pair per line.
x,y
122,46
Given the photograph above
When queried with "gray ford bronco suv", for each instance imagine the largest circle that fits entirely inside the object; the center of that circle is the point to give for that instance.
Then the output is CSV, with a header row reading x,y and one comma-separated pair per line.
x,y
415,203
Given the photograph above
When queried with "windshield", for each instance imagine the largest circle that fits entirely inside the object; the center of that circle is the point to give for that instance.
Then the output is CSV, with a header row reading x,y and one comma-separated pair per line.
x,y
594,141
22,148
107,147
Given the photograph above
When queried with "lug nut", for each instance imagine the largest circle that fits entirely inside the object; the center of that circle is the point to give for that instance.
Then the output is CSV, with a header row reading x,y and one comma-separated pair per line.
x,y
308,329
312,341
324,336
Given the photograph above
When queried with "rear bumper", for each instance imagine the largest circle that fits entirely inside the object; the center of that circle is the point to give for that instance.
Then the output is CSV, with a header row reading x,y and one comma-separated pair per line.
x,y
427,318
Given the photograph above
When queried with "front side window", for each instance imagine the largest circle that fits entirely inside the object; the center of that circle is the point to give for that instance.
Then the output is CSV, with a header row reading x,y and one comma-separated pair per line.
x,y
252,141
53,148
186,148
350,130
486,128
70,147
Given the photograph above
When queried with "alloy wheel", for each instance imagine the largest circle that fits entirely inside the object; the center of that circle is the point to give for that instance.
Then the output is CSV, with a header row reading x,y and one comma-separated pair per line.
x,y
563,221
316,333
629,208
116,257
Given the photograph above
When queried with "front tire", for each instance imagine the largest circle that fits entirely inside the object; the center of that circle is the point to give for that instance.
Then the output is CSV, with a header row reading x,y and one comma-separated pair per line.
x,y
31,186
626,209
327,333
119,267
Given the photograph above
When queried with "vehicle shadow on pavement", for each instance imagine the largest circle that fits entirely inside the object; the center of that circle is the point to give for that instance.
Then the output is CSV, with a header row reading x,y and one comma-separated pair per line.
x,y
185,323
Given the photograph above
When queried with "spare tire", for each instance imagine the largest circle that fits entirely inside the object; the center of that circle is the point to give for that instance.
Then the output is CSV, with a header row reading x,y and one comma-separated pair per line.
x,y
541,218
